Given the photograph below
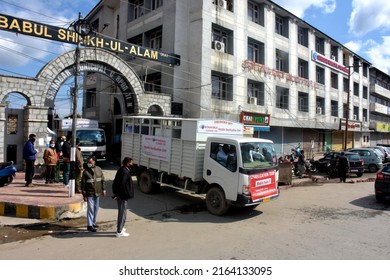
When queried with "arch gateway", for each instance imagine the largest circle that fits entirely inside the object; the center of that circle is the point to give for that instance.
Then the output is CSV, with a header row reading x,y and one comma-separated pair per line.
x,y
40,93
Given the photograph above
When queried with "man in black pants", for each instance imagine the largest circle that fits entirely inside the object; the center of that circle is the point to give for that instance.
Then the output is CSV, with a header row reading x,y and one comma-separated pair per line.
x,y
29,155
122,187
343,166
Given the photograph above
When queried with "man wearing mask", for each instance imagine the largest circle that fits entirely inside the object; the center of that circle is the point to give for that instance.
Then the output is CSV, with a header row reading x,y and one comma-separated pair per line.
x,y
50,158
92,187
29,155
66,150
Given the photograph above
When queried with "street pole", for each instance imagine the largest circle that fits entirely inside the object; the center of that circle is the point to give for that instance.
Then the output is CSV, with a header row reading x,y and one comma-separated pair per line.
x,y
347,114
72,179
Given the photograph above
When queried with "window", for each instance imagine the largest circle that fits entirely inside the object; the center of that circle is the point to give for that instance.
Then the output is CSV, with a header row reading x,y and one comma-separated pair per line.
x,y
221,86
255,51
365,115
345,85
256,90
345,110
334,80
137,9
334,50
303,36
303,102
320,106
320,75
303,68
95,25
281,25
12,124
255,13
224,154
281,62
356,89
224,36
156,4
334,108
282,98
155,39
91,98
365,92
355,113
153,82
320,45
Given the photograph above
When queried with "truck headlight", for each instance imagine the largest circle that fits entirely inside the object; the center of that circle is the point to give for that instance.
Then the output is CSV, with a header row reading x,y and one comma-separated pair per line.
x,y
246,189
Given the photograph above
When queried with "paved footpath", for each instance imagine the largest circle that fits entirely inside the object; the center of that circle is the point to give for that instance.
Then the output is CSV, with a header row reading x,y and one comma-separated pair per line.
x,y
43,201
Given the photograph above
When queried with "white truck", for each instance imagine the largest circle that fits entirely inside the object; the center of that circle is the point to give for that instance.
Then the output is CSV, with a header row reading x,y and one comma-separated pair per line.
x,y
185,154
92,138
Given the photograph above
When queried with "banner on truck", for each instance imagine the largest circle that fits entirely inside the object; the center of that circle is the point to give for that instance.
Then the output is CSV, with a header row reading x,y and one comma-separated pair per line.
x,y
220,127
156,147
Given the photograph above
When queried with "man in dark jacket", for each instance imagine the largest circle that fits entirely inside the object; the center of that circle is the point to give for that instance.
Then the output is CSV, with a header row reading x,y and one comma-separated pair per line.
x,y
92,187
343,166
122,187
29,155
66,150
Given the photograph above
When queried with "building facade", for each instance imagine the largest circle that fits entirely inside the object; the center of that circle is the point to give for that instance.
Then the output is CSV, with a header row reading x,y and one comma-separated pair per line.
x,y
249,61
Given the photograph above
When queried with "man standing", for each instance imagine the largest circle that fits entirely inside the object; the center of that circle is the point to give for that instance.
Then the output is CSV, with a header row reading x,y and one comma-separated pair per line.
x,y
66,150
122,188
50,158
343,166
92,187
29,155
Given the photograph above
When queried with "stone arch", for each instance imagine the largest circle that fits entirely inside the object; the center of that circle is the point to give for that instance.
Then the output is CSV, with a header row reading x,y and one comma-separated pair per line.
x,y
60,68
46,84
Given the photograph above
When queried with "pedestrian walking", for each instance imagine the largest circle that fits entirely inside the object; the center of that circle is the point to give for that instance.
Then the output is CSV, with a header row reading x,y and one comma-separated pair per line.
x,y
343,167
29,156
122,188
79,167
50,158
92,187
66,150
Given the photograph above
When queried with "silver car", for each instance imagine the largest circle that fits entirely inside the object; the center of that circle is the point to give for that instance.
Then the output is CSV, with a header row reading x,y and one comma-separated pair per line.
x,y
372,159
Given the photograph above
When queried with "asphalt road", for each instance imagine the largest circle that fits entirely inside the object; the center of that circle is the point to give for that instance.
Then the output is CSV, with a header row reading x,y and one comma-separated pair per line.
x,y
311,221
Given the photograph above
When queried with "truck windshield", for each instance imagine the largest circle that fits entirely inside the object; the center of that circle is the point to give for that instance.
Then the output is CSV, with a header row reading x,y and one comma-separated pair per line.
x,y
258,155
90,138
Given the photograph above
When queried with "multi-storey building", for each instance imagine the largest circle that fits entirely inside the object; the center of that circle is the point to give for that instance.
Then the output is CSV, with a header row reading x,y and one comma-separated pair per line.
x,y
250,61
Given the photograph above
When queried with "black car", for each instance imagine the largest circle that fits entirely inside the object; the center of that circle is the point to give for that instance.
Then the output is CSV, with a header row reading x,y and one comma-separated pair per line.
x,y
329,163
382,183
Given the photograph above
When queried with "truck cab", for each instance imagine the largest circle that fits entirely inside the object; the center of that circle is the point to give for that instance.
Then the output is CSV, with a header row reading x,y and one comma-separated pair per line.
x,y
247,176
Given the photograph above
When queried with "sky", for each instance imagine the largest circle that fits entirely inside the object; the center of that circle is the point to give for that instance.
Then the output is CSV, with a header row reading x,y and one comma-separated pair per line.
x,y
360,25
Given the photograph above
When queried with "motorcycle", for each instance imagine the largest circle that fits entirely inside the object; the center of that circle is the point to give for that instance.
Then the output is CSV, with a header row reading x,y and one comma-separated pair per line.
x,y
310,167
7,173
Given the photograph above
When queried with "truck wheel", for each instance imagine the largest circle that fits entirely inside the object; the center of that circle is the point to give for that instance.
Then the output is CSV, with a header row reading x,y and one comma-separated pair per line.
x,y
216,202
145,182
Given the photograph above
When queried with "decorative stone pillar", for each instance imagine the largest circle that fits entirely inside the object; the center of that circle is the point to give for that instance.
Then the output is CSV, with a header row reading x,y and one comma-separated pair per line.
x,y
2,131
35,121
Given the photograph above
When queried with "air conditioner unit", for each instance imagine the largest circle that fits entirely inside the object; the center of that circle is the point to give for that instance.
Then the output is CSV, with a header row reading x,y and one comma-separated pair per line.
x,y
253,100
333,57
222,4
219,46
354,117
319,111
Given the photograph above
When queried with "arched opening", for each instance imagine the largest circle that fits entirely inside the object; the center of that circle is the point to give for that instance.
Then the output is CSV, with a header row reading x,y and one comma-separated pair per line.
x,y
155,110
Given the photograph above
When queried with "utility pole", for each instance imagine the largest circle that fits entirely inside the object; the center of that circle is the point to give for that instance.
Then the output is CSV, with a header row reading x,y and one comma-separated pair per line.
x,y
82,28
347,113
